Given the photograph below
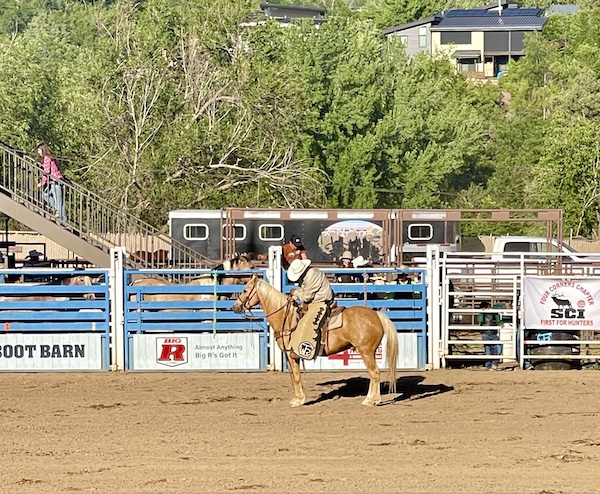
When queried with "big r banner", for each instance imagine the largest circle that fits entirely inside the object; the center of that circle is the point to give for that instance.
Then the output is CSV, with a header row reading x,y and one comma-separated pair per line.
x,y
554,303
204,351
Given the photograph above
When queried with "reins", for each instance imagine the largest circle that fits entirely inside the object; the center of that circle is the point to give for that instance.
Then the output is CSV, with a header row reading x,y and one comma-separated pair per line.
x,y
249,309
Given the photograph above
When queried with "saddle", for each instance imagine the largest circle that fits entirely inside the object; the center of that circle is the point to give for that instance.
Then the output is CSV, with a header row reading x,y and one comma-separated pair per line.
x,y
308,340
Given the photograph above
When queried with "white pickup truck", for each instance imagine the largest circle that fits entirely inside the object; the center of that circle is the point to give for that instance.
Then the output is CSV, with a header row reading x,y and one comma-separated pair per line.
x,y
517,256
536,248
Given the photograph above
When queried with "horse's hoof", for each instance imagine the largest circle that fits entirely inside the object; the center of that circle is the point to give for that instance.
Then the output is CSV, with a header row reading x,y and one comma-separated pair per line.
x,y
297,402
368,403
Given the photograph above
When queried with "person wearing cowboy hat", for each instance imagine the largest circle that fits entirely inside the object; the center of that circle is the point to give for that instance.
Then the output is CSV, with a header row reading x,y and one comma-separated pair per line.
x,y
315,291
360,262
346,259
34,254
294,249
314,285
33,260
349,262
345,262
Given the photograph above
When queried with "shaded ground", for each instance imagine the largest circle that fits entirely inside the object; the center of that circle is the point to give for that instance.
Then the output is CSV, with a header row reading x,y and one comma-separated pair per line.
x,y
459,431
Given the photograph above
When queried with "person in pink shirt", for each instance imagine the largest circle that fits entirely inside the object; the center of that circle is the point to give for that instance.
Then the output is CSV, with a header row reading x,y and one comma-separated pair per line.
x,y
51,182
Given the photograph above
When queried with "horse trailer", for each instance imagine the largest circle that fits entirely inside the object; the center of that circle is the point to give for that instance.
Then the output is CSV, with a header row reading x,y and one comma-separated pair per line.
x,y
325,233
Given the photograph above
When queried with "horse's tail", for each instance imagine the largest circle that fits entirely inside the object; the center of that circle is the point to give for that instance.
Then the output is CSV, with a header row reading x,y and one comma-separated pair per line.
x,y
391,349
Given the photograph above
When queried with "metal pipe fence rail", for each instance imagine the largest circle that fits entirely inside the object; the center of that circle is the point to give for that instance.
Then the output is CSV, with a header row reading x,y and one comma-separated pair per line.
x,y
53,327
463,337
466,282
92,217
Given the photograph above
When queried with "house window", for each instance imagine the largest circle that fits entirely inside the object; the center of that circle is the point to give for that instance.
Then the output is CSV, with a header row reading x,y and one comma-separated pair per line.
x,y
456,38
467,64
420,231
404,40
239,230
194,231
422,37
496,41
270,233
517,41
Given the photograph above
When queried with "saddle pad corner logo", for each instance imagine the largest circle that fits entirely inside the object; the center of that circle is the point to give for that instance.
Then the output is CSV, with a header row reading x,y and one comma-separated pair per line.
x,y
171,351
305,348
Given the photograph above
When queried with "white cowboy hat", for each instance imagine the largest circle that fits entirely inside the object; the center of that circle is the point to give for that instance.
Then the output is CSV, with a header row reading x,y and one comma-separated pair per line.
x,y
378,279
297,269
347,255
359,262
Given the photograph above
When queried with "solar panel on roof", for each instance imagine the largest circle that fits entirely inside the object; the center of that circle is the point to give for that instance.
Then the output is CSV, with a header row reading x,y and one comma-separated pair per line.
x,y
493,22
531,11
466,13
492,13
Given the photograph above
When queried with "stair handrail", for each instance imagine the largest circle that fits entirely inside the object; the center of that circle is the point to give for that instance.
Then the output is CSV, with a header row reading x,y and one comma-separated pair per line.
x,y
88,209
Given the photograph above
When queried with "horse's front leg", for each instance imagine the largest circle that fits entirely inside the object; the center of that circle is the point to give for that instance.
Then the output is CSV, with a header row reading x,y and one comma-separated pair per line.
x,y
299,397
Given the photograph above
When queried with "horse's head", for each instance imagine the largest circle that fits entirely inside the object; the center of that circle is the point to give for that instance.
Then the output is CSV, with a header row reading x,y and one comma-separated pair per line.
x,y
248,298
80,280
237,263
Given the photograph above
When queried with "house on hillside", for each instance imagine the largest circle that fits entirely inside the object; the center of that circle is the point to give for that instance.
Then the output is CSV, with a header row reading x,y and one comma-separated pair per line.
x,y
481,41
416,35
285,14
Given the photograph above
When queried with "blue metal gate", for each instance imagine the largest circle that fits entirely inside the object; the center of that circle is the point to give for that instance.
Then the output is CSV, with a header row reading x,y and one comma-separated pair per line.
x,y
401,293
52,327
179,334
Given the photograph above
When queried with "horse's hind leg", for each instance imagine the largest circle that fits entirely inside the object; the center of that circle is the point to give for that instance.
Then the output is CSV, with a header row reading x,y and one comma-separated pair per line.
x,y
374,394
299,396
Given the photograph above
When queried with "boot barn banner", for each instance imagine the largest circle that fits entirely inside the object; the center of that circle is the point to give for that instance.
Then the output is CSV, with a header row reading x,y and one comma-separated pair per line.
x,y
551,303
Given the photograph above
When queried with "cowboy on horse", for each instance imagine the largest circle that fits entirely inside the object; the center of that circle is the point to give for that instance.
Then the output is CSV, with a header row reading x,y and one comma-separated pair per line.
x,y
314,291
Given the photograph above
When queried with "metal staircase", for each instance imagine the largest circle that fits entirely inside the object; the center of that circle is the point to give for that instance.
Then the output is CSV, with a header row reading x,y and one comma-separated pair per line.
x,y
93,225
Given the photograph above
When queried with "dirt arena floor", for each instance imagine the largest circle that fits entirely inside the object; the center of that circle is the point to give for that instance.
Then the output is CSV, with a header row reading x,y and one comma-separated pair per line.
x,y
454,431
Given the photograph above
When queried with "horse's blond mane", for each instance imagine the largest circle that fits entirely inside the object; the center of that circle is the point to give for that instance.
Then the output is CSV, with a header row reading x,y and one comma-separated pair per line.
x,y
268,293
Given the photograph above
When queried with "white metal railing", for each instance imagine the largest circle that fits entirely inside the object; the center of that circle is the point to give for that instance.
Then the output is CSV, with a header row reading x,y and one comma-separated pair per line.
x,y
469,278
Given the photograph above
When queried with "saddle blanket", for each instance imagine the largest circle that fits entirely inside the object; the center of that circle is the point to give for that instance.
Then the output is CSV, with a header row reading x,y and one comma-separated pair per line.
x,y
306,341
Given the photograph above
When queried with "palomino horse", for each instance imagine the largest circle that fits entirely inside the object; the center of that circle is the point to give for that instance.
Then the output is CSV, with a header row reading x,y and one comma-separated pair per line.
x,y
80,280
362,328
240,263
69,280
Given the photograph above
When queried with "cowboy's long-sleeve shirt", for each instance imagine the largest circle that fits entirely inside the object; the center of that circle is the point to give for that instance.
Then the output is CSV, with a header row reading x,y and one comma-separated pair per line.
x,y
315,287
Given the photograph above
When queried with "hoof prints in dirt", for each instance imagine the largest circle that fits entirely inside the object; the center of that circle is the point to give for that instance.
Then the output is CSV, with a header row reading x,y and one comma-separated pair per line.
x,y
587,442
571,456
28,481
223,399
247,487
102,407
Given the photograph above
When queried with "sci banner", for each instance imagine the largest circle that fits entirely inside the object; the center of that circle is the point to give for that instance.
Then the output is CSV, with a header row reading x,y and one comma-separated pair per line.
x,y
554,303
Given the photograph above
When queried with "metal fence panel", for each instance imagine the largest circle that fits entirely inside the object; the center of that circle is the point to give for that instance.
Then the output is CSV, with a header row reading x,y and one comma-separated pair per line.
x,y
401,293
52,327
179,333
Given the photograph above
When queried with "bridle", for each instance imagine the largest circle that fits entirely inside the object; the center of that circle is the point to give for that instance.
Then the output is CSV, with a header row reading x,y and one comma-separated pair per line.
x,y
279,335
248,296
